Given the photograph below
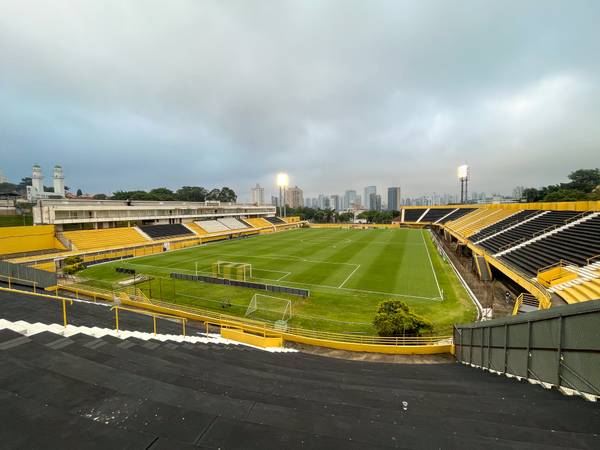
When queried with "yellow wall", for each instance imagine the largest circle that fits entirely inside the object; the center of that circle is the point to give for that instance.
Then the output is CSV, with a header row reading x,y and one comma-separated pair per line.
x,y
252,339
28,239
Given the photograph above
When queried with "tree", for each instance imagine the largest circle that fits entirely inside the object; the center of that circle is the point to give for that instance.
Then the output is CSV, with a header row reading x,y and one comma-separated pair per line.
x,y
100,197
227,195
191,194
584,180
394,318
162,194
213,194
564,195
79,193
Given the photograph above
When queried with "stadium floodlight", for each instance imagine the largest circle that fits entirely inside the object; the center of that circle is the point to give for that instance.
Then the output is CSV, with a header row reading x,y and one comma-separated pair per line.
x,y
282,182
282,179
463,177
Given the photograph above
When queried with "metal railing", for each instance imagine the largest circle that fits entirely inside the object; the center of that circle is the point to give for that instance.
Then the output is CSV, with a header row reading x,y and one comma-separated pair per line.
x,y
154,316
51,297
267,328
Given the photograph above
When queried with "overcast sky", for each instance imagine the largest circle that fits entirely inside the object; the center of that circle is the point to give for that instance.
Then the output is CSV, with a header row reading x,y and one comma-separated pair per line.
x,y
340,94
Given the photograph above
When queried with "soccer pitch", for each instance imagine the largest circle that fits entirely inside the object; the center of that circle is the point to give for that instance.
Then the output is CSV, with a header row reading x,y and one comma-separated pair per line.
x,y
348,273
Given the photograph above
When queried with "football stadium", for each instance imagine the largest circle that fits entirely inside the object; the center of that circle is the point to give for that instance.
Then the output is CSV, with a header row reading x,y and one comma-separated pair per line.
x,y
104,297
275,224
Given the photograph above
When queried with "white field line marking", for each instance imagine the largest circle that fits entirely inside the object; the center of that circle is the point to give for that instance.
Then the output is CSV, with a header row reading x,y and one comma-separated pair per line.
x,y
348,277
283,276
432,269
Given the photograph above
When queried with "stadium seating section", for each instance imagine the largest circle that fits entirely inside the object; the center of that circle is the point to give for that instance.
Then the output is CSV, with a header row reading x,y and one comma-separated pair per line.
x,y
412,215
503,224
105,238
212,226
480,218
457,214
435,214
526,230
575,244
165,231
196,229
232,223
258,222
275,220
85,388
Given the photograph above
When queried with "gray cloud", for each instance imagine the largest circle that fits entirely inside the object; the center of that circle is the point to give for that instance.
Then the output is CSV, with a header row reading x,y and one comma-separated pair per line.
x,y
341,94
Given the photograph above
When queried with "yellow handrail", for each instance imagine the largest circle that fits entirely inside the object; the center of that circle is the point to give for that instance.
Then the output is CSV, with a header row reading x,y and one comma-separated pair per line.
x,y
52,297
518,303
154,316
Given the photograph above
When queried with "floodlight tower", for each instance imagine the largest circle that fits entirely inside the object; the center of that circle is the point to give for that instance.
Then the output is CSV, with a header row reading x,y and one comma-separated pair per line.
x,y
282,182
463,177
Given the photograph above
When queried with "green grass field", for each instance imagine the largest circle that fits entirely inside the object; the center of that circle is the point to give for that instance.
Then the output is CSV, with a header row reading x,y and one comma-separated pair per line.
x,y
348,273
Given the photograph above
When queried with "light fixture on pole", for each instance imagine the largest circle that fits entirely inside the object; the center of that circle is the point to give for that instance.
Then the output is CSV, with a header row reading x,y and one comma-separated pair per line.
x,y
282,182
463,177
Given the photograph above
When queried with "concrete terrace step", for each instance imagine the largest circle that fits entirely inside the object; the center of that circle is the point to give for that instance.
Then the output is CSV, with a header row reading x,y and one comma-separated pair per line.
x,y
30,329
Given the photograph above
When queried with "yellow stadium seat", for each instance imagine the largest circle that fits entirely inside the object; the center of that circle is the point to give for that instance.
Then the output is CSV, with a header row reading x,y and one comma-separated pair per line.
x,y
196,228
105,238
258,222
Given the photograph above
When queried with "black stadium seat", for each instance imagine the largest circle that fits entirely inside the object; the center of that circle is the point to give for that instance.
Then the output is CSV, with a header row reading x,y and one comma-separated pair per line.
x,y
457,214
436,213
510,237
503,224
575,244
166,231
412,215
275,220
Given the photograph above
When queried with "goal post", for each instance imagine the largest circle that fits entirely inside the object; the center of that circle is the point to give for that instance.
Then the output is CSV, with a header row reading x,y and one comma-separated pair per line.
x,y
232,270
267,307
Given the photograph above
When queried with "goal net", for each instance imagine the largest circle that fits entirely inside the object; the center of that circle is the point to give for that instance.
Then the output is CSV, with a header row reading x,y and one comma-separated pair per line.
x,y
267,307
232,270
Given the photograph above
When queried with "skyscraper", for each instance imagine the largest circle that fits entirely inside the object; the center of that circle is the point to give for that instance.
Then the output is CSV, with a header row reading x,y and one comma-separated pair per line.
x,y
334,202
394,200
368,191
349,199
258,195
294,197
375,202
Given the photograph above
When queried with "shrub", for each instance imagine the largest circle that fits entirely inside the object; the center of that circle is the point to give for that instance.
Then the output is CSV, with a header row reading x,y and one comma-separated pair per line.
x,y
73,268
394,318
70,260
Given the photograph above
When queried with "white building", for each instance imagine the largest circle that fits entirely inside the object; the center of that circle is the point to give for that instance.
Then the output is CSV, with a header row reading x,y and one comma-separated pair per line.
x,y
36,190
258,195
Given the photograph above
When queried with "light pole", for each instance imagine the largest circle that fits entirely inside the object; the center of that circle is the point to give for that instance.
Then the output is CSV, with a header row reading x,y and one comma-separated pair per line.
x,y
282,183
463,176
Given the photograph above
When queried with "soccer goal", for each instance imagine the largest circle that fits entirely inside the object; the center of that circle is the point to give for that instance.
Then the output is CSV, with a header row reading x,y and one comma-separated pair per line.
x,y
267,307
232,270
